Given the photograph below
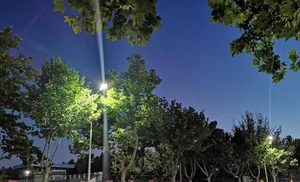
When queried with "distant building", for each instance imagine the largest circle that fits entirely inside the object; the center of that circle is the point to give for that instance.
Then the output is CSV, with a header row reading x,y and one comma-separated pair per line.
x,y
57,172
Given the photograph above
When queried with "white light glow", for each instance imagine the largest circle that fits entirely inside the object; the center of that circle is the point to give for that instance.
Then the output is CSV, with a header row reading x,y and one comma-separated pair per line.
x,y
270,137
103,86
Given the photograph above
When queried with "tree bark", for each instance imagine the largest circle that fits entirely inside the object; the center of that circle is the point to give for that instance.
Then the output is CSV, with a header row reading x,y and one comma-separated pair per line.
x,y
258,173
46,174
123,176
266,173
193,170
240,180
208,179
174,178
274,178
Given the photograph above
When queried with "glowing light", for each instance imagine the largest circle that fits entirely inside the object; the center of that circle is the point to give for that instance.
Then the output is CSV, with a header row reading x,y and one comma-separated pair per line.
x,y
270,137
103,86
27,172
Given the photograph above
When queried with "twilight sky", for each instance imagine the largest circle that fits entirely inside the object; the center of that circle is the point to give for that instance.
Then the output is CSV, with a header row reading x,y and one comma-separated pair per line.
x,y
189,53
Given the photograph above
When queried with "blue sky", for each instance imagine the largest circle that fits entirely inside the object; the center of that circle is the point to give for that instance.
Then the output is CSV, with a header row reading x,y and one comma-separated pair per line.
x,y
189,53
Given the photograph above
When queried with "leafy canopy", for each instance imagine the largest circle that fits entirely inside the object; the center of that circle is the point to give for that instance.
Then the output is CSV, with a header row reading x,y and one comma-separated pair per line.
x,y
60,104
280,157
133,19
261,24
182,131
211,159
16,72
136,113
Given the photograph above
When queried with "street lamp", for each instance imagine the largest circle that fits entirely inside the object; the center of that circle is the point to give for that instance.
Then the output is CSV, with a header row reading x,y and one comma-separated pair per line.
x,y
270,137
27,173
105,167
103,88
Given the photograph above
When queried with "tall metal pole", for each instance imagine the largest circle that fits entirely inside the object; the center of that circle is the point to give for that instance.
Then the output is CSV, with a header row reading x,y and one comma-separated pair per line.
x,y
180,174
90,153
106,165
28,163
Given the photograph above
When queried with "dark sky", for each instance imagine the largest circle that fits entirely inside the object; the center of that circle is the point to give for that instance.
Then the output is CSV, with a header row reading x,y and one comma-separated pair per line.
x,y
189,53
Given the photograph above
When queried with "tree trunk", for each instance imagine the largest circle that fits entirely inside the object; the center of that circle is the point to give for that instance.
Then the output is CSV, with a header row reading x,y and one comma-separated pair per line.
x,y
266,173
208,179
46,174
173,178
123,176
274,178
240,180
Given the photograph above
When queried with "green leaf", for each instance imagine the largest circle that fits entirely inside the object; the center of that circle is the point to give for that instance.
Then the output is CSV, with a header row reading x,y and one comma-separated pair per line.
x,y
255,62
293,55
240,18
135,17
255,38
59,6
68,20
76,29
126,7
18,72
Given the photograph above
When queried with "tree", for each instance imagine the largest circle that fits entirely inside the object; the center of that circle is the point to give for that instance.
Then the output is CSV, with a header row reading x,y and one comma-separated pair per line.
x,y
135,113
168,160
71,161
280,157
82,163
182,131
16,75
210,160
293,171
97,163
246,135
256,130
60,104
194,135
134,19
261,24
145,163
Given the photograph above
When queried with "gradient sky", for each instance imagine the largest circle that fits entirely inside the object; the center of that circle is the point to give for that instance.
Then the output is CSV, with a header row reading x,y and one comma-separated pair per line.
x,y
189,53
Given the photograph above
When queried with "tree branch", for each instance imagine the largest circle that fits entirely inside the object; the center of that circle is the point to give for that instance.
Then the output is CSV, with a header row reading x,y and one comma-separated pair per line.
x,y
43,153
48,152
2,155
201,168
133,155
256,177
185,171
228,170
58,143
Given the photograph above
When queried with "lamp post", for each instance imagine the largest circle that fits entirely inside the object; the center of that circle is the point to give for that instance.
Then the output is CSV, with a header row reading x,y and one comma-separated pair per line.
x,y
105,167
27,173
90,152
103,87
270,138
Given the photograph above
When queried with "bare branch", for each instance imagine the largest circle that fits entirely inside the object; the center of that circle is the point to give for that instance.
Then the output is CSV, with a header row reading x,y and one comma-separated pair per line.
x,y
258,168
58,143
133,155
43,153
2,155
201,168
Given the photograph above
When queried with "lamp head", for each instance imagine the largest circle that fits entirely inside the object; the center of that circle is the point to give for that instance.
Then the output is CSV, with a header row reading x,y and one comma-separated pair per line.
x,y
103,86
